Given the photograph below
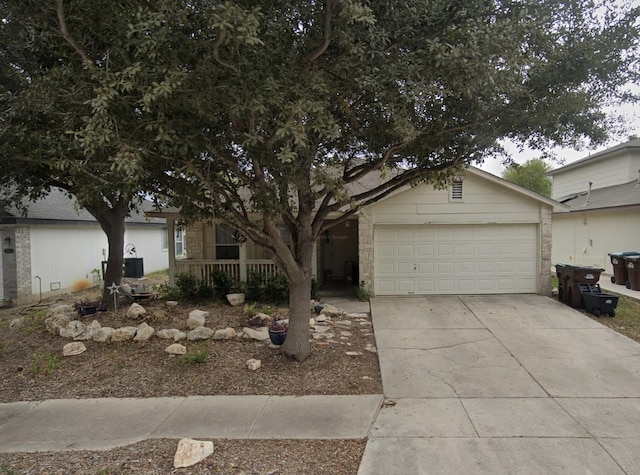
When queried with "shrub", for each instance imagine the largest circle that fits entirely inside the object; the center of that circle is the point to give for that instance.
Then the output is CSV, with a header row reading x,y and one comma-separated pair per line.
x,y
222,284
362,293
187,285
255,286
277,289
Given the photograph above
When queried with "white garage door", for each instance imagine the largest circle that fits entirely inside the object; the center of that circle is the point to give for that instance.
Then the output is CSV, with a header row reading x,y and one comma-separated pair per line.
x,y
456,259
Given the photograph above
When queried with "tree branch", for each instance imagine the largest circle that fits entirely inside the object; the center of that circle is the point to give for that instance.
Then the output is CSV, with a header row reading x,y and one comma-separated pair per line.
x,y
216,52
64,32
326,36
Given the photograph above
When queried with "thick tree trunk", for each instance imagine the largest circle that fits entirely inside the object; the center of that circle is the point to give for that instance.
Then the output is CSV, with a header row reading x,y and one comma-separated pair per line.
x,y
111,220
115,260
297,345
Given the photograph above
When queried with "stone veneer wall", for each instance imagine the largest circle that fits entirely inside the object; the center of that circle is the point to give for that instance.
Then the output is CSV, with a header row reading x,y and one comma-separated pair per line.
x,y
16,266
545,286
195,240
365,250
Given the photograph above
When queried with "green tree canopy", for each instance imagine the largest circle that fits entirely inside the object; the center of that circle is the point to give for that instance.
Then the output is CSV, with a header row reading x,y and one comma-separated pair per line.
x,y
530,175
261,112
62,64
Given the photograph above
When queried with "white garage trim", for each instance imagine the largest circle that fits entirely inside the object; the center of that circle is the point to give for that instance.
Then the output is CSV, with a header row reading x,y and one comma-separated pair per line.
x,y
455,259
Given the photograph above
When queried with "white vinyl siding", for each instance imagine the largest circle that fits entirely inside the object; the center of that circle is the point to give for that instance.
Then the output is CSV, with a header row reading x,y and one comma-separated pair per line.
x,y
455,259
602,173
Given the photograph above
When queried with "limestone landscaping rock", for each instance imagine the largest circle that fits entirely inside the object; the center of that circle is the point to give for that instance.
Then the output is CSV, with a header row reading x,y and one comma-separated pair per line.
x,y
72,329
176,349
197,318
73,349
260,320
331,311
143,333
253,364
55,322
16,323
200,333
136,312
89,330
103,334
171,334
190,452
235,299
260,334
224,334
124,334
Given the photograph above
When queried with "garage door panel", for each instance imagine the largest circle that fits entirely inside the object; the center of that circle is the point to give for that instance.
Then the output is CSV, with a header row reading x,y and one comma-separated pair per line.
x,y
465,249
445,250
434,259
405,268
405,250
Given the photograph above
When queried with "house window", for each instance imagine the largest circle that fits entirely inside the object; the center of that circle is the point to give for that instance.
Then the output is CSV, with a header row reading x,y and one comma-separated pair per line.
x,y
456,191
180,250
226,246
179,241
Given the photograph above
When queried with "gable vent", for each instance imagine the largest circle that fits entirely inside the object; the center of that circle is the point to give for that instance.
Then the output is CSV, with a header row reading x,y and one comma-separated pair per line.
x,y
456,191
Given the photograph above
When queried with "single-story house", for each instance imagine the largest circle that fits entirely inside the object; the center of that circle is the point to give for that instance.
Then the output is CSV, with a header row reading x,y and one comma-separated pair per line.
x,y
603,193
482,235
56,245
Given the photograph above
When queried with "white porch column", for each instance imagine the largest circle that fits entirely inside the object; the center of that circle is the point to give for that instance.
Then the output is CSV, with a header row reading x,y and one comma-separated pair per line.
x,y
171,244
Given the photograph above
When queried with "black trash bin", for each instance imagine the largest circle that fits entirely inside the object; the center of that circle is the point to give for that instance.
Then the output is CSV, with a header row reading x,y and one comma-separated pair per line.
x,y
133,267
573,277
620,275
562,291
597,303
632,263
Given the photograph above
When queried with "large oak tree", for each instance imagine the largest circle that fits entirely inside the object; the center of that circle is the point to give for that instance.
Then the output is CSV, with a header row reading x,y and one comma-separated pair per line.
x,y
81,86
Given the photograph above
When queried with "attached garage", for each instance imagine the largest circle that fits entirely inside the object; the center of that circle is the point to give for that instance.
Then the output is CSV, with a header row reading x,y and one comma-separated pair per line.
x,y
482,235
460,259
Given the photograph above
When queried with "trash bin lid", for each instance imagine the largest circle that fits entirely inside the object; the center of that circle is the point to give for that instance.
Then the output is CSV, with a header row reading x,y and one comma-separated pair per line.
x,y
632,258
624,254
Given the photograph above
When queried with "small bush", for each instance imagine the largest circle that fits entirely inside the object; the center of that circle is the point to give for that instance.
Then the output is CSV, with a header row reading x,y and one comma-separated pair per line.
x,y
222,284
362,292
169,292
277,289
255,286
195,355
249,310
187,285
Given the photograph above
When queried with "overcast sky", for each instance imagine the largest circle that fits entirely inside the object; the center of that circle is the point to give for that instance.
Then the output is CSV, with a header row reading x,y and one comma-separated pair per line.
x,y
631,114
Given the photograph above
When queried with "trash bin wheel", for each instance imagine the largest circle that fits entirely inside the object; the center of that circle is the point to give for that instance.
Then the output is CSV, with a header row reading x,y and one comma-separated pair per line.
x,y
612,313
613,280
627,284
596,311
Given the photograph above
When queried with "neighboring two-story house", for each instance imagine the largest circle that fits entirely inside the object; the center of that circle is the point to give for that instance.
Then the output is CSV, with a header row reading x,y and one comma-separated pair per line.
x,y
603,193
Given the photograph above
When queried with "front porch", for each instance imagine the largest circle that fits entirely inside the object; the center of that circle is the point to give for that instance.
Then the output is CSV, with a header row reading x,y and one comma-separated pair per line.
x,y
202,269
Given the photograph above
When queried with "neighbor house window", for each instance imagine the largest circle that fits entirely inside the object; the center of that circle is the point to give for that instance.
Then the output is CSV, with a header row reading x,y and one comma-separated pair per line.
x,y
226,246
165,239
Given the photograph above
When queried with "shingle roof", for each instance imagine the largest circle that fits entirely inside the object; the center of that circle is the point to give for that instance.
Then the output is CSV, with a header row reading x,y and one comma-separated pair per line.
x,y
604,198
58,207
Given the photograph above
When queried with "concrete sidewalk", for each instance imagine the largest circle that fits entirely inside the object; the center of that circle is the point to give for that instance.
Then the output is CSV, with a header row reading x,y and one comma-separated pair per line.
x,y
502,384
102,424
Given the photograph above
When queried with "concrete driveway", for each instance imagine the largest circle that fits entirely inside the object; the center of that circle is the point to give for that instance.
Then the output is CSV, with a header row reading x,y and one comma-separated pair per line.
x,y
502,384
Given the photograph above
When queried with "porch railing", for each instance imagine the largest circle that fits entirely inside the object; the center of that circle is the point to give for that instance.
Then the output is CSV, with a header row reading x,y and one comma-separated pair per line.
x,y
202,269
